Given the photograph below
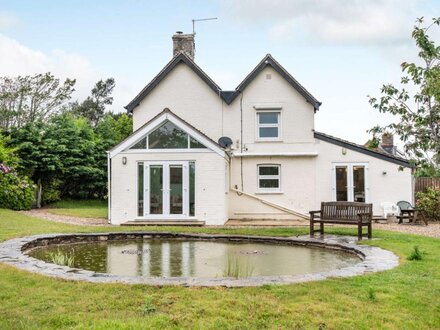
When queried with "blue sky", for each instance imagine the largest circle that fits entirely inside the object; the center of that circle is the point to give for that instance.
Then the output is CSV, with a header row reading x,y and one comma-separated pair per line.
x,y
340,50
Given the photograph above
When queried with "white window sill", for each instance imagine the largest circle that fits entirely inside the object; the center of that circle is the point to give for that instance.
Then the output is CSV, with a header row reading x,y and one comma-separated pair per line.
x,y
269,192
268,140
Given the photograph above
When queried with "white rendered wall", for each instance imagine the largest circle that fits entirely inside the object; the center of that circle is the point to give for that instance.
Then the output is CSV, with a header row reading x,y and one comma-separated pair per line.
x,y
306,181
189,97
297,187
186,95
393,186
210,195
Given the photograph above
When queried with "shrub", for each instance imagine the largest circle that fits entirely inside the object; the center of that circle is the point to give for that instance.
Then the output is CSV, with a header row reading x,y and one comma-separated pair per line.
x,y
51,192
16,192
415,254
429,203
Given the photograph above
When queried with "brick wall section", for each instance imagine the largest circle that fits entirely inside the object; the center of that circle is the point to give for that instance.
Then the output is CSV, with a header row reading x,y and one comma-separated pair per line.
x,y
183,43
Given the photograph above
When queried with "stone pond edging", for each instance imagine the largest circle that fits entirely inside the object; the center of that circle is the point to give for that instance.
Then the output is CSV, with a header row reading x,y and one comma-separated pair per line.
x,y
372,259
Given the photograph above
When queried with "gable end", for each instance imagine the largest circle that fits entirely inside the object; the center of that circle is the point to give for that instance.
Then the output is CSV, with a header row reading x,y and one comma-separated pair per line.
x,y
227,96
167,114
180,58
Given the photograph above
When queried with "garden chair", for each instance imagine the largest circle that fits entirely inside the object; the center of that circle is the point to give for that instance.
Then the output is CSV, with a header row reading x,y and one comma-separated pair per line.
x,y
389,209
410,213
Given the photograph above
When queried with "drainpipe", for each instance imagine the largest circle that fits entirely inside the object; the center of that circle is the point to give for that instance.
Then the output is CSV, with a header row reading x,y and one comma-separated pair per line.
x,y
109,187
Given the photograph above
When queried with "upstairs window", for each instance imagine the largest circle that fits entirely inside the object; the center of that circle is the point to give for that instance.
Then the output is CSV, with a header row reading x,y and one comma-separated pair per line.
x,y
268,125
269,177
168,136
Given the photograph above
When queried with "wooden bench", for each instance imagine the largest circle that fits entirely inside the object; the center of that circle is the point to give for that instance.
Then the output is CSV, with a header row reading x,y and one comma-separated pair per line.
x,y
346,213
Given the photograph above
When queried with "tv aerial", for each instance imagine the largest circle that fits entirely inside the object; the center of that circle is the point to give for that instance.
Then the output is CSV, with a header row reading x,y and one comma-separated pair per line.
x,y
194,20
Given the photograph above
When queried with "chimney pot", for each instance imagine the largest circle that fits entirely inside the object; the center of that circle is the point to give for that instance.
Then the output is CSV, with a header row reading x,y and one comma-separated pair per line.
x,y
183,43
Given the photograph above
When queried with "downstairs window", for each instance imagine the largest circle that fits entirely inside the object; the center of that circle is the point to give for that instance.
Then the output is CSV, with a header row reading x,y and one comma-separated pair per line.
x,y
269,177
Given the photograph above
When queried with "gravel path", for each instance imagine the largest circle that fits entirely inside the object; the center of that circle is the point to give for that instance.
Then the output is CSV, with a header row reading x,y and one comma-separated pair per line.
x,y
432,230
44,214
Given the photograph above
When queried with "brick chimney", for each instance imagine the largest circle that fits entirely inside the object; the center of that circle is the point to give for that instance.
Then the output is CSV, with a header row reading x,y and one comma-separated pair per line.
x,y
387,140
387,143
183,43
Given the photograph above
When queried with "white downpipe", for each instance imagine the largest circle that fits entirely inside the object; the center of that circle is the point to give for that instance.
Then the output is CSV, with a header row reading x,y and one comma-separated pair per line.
x,y
109,188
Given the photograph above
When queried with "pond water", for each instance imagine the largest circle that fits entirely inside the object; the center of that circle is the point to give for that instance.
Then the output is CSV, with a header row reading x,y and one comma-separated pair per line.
x,y
195,258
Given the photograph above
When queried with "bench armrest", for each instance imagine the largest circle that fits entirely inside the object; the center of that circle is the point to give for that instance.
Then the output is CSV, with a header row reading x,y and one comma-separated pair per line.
x,y
365,215
315,214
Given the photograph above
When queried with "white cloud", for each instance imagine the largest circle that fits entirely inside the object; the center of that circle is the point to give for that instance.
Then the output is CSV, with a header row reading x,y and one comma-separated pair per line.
x,y
17,59
330,21
8,21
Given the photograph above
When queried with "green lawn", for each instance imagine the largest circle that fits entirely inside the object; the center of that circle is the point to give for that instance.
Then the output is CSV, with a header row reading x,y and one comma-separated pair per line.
x,y
406,297
81,208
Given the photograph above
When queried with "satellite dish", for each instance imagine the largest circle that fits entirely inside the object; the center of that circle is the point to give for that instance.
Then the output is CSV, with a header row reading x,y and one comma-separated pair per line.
x,y
225,142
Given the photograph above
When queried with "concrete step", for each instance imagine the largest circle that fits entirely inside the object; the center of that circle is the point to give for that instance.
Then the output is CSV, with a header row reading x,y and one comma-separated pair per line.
x,y
190,223
263,216
266,223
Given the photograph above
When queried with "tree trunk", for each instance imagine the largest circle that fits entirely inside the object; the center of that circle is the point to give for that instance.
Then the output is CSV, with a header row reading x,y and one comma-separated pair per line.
x,y
38,194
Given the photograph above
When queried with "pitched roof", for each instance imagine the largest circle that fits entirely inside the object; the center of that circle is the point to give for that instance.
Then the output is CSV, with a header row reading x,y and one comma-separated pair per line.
x,y
362,149
269,60
227,96
165,114
179,58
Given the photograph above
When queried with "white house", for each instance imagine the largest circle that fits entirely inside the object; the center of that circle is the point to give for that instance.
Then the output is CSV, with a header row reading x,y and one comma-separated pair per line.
x,y
201,154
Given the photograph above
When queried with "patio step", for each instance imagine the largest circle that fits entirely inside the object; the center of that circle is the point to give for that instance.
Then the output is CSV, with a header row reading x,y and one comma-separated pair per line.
x,y
190,223
265,223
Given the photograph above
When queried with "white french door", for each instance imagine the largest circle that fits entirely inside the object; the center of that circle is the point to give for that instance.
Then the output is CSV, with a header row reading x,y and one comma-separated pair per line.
x,y
350,182
166,190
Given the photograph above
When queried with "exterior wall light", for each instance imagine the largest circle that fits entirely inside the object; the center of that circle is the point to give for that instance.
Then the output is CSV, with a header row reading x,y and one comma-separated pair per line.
x,y
344,151
124,160
384,173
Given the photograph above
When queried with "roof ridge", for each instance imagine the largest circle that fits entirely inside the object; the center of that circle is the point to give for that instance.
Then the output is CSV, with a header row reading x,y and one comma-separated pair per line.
x,y
231,95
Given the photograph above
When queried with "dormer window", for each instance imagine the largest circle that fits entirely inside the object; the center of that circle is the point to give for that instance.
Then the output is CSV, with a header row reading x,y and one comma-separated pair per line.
x,y
269,125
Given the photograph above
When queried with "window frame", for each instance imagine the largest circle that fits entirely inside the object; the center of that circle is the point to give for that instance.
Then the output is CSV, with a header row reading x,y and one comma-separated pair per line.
x,y
259,125
268,177
350,183
147,148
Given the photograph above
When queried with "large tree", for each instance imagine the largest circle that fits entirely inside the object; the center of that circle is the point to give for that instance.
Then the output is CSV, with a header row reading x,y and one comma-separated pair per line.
x,y
93,107
28,99
416,103
65,156
37,148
